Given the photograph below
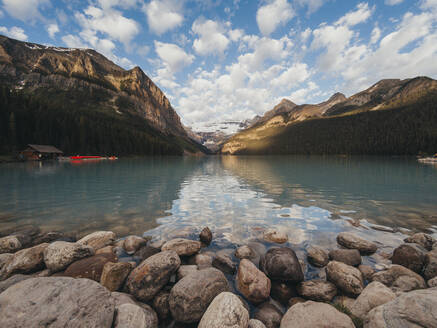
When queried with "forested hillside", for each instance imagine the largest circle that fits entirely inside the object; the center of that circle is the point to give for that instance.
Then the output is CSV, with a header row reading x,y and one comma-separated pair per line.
x,y
65,120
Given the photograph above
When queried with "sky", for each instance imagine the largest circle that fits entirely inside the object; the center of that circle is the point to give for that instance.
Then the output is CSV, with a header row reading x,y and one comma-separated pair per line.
x,y
229,60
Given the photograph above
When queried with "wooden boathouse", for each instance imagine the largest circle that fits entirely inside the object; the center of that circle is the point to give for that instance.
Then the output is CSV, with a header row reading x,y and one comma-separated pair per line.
x,y
40,152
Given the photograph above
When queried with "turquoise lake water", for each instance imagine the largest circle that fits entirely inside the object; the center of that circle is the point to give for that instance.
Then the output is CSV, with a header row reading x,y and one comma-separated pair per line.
x,y
311,198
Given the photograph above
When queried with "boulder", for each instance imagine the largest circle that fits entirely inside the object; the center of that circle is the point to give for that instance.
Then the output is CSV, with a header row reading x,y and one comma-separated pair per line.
x,y
423,239
226,310
275,236
134,316
432,282
16,278
122,298
282,292
223,261
152,274
352,241
317,290
90,267
60,254
317,256
132,243
4,259
245,252
411,256
161,305
98,239
11,244
344,301
190,297
375,294
114,275
345,277
252,283
430,268
27,260
269,315
50,236
348,256
202,260
315,315
185,270
106,250
282,264
146,251
410,310
367,271
56,302
205,236
183,247
295,300
399,279
254,323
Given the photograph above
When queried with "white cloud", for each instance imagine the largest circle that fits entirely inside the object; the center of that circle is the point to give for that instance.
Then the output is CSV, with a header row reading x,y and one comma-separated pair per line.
x,y
376,35
110,22
360,15
14,32
293,76
143,50
274,13
25,10
313,5
300,96
52,29
212,38
393,2
125,4
73,41
163,15
174,57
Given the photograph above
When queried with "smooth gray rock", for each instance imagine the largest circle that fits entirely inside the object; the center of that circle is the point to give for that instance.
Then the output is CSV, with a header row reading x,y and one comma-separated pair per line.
x,y
134,316
423,239
146,251
432,282
5,258
114,275
245,252
317,290
223,261
185,270
269,315
27,260
226,310
411,256
352,241
60,254
254,323
202,260
132,243
317,256
191,296
409,310
375,294
160,304
367,271
282,264
275,236
430,267
252,283
399,279
205,236
347,302
152,274
98,239
16,278
10,244
315,315
56,302
183,247
347,278
348,256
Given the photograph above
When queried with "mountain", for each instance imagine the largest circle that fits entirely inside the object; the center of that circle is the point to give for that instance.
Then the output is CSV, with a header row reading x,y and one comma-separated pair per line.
x,y
119,111
396,117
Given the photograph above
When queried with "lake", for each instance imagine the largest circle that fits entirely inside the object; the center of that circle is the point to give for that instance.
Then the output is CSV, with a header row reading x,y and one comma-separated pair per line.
x,y
311,198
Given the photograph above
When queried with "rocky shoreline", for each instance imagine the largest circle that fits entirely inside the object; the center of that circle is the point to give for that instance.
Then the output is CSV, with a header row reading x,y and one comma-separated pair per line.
x,y
50,280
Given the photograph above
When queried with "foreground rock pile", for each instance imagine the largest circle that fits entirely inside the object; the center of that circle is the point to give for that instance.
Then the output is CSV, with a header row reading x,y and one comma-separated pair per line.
x,y
99,281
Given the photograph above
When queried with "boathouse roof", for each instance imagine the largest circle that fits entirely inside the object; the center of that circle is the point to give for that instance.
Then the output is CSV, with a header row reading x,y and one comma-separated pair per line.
x,y
46,149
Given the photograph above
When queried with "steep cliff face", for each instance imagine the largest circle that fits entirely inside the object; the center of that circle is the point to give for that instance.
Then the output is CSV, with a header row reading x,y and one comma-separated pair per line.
x,y
312,128
32,67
